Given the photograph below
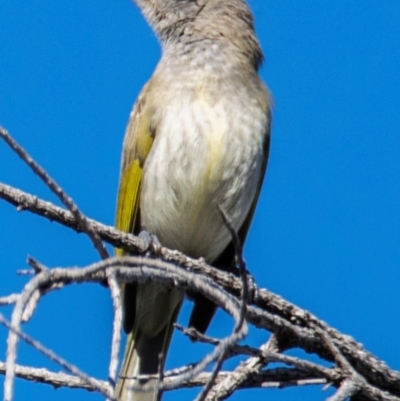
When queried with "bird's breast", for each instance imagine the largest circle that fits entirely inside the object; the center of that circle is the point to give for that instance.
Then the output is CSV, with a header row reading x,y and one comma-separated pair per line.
x,y
205,154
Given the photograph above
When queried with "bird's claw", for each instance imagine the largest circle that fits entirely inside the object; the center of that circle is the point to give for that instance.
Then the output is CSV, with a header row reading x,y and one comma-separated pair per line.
x,y
152,244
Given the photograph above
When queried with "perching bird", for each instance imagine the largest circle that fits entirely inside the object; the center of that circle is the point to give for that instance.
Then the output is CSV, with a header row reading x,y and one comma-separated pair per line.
x,y
197,139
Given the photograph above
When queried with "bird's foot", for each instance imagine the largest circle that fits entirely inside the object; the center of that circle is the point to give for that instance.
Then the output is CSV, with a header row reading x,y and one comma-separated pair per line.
x,y
152,244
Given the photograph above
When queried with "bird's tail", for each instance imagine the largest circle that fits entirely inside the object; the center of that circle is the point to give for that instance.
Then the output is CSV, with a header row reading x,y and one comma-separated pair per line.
x,y
144,356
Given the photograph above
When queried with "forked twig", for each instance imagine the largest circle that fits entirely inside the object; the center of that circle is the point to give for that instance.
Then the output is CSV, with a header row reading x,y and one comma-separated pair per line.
x,y
57,190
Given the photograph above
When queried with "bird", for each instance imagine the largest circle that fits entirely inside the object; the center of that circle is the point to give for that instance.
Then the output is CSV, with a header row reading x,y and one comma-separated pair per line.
x,y
197,141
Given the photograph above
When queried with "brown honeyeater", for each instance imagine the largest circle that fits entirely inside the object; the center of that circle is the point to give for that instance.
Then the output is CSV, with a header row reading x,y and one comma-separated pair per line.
x,y
197,139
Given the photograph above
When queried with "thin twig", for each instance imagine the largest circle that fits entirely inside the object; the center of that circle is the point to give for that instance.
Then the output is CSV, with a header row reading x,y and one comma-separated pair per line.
x,y
274,378
210,383
243,274
57,380
9,300
264,355
346,390
53,357
57,190
159,271
36,265
117,324
24,201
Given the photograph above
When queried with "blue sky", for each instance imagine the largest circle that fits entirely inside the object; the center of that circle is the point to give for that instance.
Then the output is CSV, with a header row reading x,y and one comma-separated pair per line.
x,y
327,229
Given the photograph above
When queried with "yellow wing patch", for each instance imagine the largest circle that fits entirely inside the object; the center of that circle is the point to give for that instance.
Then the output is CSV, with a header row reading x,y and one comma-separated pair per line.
x,y
137,145
128,199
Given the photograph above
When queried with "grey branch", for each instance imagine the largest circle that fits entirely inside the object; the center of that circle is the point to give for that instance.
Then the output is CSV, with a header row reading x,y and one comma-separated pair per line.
x,y
55,380
347,389
57,190
140,268
9,300
356,373
274,378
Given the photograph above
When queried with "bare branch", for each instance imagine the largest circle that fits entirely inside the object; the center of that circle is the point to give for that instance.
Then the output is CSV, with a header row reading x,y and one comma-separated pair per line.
x,y
347,389
274,378
127,269
56,380
49,354
27,202
9,300
117,324
57,190
356,373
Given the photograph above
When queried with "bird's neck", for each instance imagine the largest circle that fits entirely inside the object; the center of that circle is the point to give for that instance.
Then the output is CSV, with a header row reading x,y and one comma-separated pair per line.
x,y
218,28
209,57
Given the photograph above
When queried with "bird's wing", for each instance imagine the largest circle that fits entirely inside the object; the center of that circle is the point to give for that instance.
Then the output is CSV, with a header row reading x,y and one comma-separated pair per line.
x,y
149,335
137,145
